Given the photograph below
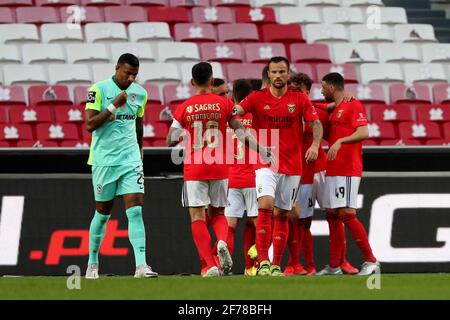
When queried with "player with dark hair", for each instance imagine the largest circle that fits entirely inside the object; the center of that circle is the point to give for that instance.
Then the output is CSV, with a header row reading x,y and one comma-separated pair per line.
x,y
348,128
220,87
205,117
279,111
114,115
265,81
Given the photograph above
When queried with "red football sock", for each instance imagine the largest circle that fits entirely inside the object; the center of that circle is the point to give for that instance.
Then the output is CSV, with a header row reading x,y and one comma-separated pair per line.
x,y
202,241
249,240
280,235
344,249
336,238
359,234
307,245
293,243
263,233
220,226
230,239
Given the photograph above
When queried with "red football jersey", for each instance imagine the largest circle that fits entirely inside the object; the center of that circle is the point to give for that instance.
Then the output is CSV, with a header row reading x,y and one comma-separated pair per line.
x,y
205,118
241,172
284,116
344,120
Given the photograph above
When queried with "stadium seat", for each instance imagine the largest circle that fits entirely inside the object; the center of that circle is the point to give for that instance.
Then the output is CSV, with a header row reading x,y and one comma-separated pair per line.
x,y
169,15
19,33
195,32
255,15
401,93
222,52
344,15
72,114
102,71
125,14
16,3
348,71
4,115
400,142
431,113
275,3
9,53
186,71
75,144
290,33
4,144
321,3
228,3
354,53
153,95
367,93
81,15
361,33
43,53
416,33
105,32
437,142
398,53
35,114
57,131
155,130
362,3
436,52
237,32
101,3
143,51
416,130
24,74
147,3
301,15
188,3
213,15
49,95
446,128
178,52
87,53
15,132
149,31
310,53
7,15
381,130
262,52
69,74
316,93
80,94
304,68
158,113
391,113
326,33
37,15
37,144
441,93
158,72
174,94
244,71
12,96
381,72
393,15
425,73
159,143
60,33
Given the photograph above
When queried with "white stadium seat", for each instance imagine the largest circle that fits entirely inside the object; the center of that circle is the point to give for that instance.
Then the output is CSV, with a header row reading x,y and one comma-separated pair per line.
x,y
362,3
354,53
398,52
186,71
436,52
326,33
344,15
105,32
381,72
361,33
416,33
141,50
43,53
18,33
88,53
301,15
24,74
9,53
320,3
423,72
60,33
69,74
178,52
275,3
158,72
102,71
392,15
149,31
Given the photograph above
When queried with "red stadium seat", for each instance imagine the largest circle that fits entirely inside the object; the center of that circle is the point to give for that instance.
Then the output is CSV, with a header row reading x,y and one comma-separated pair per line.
x,y
222,52
153,95
169,15
310,53
188,3
125,14
255,15
102,3
147,3
16,3
391,113
227,3
38,114
237,32
12,95
437,142
75,144
82,15
7,15
174,94
58,3
262,52
381,130
4,144
158,113
49,95
73,114
367,93
154,130
213,15
446,129
56,131
37,15
4,115
304,68
369,142
288,33
80,94
86,135
159,143
441,93
416,130
15,132
244,71
400,142
433,113
195,32
348,71
37,144
401,93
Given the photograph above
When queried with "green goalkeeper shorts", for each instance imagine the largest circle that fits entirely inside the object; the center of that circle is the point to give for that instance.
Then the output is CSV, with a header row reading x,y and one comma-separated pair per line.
x,y
109,182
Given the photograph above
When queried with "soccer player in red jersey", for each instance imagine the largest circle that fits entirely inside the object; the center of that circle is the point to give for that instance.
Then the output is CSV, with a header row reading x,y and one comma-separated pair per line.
x,y
279,112
220,87
205,117
347,129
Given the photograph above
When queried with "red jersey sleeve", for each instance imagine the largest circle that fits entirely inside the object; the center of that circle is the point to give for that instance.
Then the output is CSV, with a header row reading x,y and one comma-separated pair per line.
x,y
309,112
179,114
229,109
249,102
359,117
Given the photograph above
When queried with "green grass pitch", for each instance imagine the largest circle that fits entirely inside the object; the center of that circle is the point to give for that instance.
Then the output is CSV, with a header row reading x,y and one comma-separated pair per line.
x,y
393,286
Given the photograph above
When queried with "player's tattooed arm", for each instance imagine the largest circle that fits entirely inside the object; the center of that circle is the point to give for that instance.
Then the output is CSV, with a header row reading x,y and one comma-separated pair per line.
x,y
313,152
140,134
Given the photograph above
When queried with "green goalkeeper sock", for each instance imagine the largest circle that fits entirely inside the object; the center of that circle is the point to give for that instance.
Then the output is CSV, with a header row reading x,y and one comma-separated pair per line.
x,y
97,231
136,233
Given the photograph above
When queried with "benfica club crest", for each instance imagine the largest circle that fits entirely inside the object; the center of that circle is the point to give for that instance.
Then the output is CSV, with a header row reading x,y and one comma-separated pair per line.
x,y
291,107
340,113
